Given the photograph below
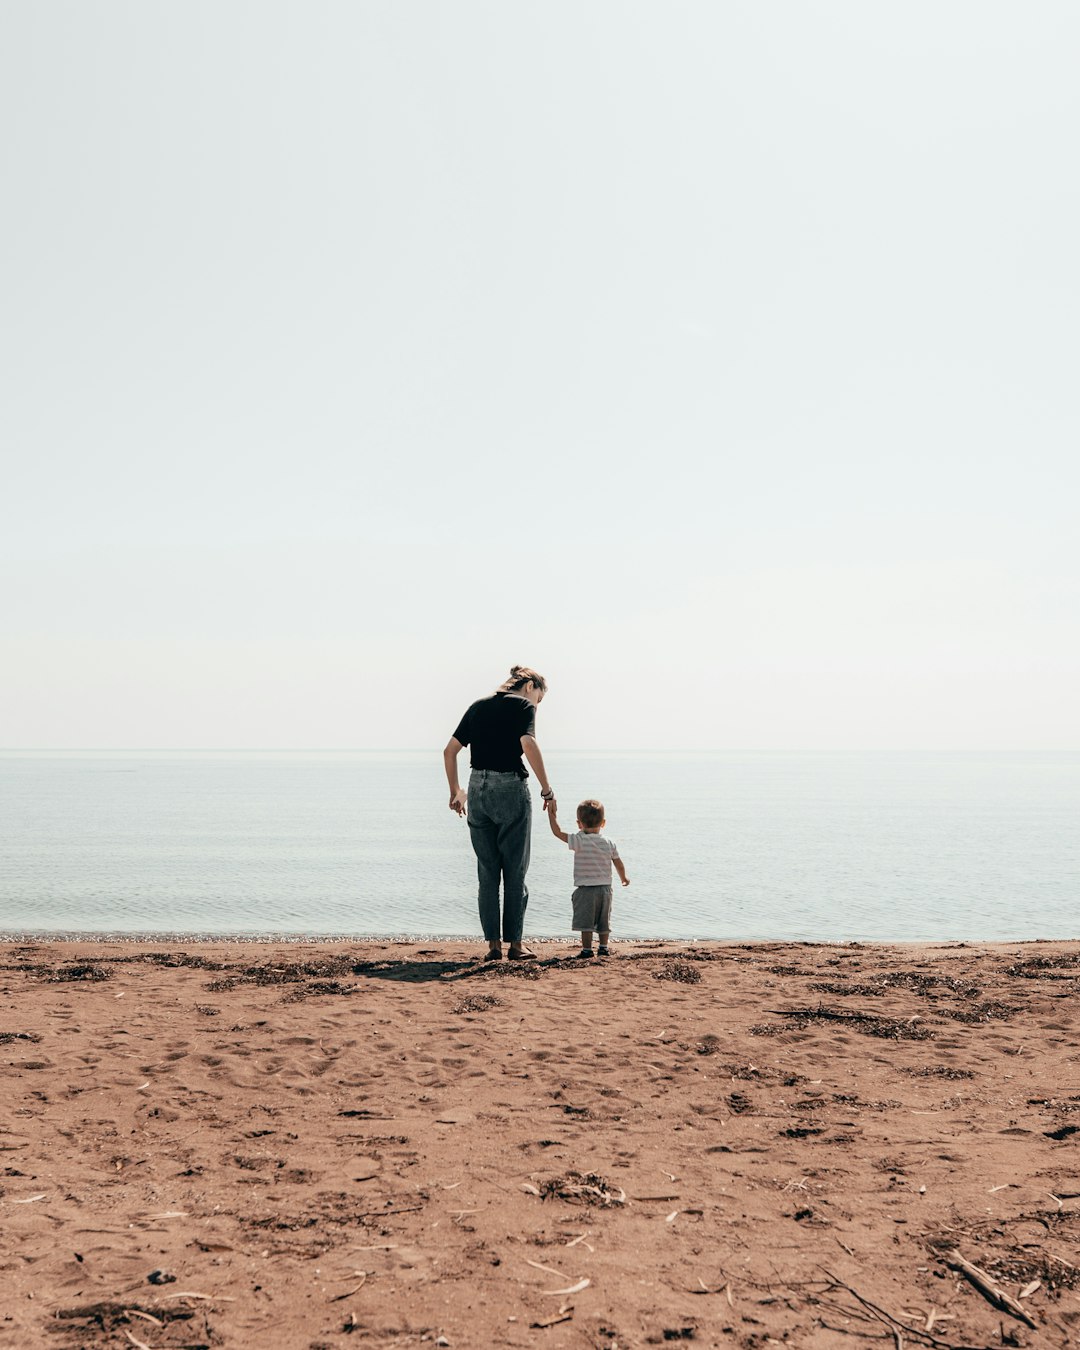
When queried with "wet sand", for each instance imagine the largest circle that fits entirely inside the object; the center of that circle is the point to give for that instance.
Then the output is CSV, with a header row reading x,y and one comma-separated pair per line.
x,y
334,1145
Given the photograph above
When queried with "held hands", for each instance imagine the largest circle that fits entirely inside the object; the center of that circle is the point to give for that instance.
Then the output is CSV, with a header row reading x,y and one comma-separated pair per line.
x,y
457,801
550,804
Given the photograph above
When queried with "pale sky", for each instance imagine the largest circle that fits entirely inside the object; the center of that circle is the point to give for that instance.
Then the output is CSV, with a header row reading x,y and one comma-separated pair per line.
x,y
717,359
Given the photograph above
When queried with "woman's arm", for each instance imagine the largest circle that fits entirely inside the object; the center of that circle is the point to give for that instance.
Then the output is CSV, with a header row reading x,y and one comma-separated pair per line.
x,y
449,755
531,751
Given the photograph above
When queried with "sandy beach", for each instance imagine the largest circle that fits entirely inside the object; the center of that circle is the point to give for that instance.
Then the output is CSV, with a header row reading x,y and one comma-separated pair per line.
x,y
316,1145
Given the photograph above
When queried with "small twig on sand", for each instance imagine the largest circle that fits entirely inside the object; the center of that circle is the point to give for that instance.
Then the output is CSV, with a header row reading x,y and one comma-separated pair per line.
x,y
553,1321
210,1298
549,1270
574,1288
139,1345
887,1319
376,1213
349,1292
134,1312
992,1292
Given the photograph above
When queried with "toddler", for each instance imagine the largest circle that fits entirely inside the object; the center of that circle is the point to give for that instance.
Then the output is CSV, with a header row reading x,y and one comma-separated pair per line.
x,y
593,859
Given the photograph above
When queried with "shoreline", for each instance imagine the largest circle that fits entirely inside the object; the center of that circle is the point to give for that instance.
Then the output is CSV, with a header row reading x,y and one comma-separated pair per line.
x,y
331,1144
148,937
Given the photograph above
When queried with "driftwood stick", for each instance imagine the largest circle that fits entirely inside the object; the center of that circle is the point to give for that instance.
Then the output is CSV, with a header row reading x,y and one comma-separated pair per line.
x,y
894,1324
992,1292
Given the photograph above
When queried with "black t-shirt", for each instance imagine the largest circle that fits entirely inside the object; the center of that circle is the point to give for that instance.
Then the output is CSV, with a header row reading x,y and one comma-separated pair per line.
x,y
494,727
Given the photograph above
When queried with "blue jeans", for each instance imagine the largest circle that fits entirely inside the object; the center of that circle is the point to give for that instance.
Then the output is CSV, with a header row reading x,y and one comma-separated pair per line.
x,y
500,827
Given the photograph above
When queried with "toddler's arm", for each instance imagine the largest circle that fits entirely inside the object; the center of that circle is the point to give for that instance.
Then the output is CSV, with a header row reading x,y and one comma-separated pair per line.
x,y
617,863
553,821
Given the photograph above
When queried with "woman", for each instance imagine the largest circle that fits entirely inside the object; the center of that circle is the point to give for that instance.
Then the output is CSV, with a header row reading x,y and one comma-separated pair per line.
x,y
500,730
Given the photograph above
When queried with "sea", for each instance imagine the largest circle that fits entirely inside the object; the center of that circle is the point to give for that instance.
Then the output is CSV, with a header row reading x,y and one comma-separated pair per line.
x,y
820,847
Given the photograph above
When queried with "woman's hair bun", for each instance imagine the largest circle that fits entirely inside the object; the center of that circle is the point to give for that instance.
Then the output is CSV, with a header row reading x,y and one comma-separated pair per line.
x,y
523,675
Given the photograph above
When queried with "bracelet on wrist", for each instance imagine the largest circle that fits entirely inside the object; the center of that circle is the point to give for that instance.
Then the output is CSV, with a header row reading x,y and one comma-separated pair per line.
x,y
548,795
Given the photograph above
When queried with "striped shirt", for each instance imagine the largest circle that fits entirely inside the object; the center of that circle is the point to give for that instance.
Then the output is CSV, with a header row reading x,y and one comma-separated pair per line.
x,y
592,858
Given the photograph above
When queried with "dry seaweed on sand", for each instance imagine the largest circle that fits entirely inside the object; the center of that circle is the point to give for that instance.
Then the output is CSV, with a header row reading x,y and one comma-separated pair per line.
x,y
678,970
992,1010
1059,966
171,960
70,971
108,1316
475,1003
6,1037
511,970
928,984
587,1189
67,971
848,990
684,954
314,987
288,972
868,1024
934,1071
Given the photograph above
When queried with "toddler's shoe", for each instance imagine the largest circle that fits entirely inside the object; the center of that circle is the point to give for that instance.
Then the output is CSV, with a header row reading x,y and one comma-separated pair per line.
x,y
585,954
603,951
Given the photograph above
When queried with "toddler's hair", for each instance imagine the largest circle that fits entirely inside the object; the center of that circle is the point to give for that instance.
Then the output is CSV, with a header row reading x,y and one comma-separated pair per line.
x,y
520,676
590,812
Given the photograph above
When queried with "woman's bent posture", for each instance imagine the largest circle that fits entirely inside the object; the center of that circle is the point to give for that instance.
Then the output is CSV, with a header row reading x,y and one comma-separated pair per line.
x,y
500,730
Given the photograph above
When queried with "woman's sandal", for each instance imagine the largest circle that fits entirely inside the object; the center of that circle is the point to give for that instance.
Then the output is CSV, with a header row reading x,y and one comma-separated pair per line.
x,y
523,955
494,954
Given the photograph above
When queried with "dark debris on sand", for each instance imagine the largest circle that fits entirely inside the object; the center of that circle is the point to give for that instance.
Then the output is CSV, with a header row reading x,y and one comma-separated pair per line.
x,y
73,971
678,970
475,1003
503,970
105,1321
587,1189
867,1024
285,972
934,1071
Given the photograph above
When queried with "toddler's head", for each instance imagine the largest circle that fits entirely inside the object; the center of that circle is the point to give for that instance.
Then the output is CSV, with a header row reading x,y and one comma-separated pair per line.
x,y
590,814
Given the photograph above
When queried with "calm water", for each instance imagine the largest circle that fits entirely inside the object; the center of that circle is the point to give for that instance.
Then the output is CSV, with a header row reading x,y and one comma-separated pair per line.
x,y
796,846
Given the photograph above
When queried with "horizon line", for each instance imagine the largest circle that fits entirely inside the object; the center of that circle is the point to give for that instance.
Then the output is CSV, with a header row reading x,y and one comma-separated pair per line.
x,y
586,749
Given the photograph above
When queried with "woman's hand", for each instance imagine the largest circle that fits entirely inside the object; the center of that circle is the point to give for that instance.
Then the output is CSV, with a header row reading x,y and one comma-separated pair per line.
x,y
457,801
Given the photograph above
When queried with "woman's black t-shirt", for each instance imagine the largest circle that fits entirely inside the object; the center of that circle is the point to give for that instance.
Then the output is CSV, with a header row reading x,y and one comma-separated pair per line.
x,y
494,727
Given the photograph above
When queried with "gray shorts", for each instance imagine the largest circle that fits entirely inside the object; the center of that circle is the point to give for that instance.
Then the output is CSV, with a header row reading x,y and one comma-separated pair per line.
x,y
592,908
